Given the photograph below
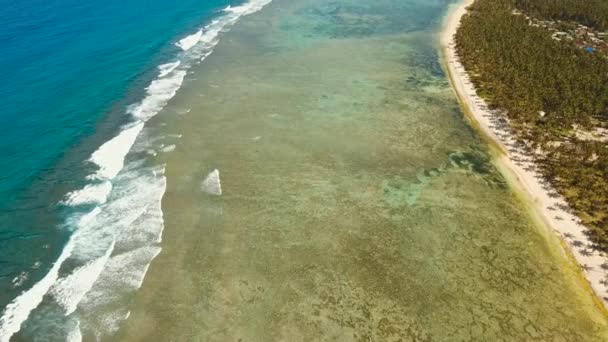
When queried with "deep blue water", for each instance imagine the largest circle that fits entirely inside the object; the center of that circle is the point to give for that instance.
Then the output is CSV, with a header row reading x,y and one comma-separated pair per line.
x,y
63,63
68,69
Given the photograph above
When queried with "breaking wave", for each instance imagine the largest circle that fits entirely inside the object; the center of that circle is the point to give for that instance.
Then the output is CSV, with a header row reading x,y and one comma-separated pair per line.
x,y
117,221
165,69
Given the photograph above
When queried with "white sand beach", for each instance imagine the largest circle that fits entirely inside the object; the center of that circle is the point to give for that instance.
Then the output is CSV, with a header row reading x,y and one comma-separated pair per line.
x,y
547,203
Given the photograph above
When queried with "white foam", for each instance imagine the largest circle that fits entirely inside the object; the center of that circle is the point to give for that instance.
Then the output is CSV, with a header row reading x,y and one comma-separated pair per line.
x,y
203,57
212,32
142,225
20,308
169,148
20,279
127,272
140,195
74,335
248,7
90,194
132,217
208,36
165,69
124,274
70,290
211,184
110,156
188,42
143,256
129,212
87,218
159,92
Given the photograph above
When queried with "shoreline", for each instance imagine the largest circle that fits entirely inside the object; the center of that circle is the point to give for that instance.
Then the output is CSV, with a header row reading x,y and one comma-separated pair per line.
x,y
314,228
551,209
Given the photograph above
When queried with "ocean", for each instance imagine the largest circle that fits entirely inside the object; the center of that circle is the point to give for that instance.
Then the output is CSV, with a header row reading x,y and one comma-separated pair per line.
x,y
260,170
80,81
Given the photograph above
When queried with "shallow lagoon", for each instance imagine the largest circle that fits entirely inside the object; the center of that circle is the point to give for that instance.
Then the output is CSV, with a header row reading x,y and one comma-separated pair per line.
x,y
357,202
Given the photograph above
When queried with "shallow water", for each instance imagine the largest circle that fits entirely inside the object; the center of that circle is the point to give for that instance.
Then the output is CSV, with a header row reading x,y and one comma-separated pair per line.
x,y
357,204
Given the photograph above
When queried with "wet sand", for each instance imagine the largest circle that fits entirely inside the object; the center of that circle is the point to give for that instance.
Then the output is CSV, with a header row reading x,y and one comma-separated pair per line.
x,y
357,202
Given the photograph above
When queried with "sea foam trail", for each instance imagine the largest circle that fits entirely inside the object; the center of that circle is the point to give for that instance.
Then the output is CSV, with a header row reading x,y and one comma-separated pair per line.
x,y
19,309
208,35
132,217
211,184
248,7
70,290
159,92
188,42
74,335
137,229
124,275
165,69
90,194
168,148
110,157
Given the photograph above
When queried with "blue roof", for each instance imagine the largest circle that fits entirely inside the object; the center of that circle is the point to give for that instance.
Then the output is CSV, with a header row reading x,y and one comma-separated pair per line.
x,y
589,49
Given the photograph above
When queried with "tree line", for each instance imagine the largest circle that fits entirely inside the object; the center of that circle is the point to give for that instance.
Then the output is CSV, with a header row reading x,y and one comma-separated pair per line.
x,y
548,89
592,13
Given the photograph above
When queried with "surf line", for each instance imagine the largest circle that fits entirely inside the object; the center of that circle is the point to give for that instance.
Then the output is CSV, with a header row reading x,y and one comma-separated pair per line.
x,y
110,156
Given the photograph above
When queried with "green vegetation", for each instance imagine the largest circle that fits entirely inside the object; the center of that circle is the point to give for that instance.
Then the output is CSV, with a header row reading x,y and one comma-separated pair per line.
x,y
548,89
579,169
592,13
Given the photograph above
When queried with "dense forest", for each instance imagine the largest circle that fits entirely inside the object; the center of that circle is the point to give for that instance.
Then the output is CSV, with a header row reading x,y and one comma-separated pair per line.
x,y
592,13
550,91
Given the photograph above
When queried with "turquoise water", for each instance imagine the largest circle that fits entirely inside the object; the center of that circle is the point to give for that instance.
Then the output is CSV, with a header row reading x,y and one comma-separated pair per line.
x,y
355,202
74,75
65,64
